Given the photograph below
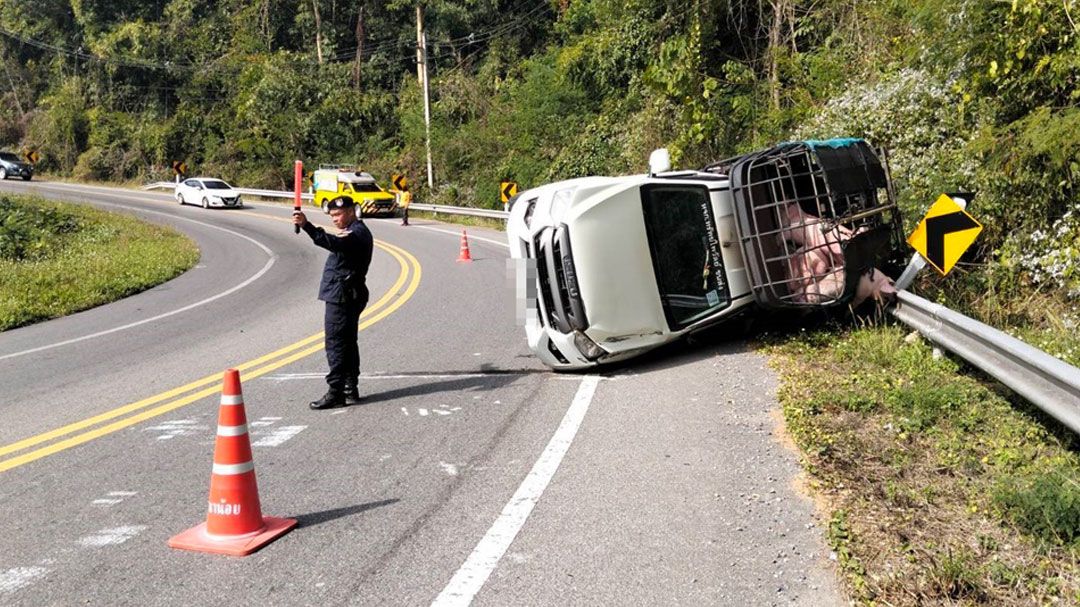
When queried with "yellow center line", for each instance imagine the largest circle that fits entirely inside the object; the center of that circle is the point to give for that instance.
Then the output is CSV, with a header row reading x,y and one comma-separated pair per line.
x,y
371,315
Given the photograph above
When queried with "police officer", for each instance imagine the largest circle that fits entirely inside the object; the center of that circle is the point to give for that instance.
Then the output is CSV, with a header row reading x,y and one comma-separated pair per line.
x,y
344,290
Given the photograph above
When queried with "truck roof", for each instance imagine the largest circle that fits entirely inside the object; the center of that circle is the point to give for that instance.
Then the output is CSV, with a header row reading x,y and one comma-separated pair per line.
x,y
347,176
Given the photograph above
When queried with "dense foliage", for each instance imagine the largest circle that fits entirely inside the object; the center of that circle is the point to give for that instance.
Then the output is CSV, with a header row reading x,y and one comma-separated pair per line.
x,y
966,94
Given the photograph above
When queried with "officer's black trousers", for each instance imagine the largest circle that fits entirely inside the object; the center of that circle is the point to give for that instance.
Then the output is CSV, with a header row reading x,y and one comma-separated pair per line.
x,y
342,351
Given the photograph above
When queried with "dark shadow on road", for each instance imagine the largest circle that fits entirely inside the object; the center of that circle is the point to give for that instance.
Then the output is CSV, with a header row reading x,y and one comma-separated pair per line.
x,y
315,518
744,333
490,381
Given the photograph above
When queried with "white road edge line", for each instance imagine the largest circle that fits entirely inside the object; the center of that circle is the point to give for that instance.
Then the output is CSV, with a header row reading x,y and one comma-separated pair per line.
x,y
473,574
266,268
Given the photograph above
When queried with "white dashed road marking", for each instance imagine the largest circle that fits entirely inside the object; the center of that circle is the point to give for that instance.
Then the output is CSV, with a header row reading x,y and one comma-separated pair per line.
x,y
440,410
18,577
176,427
264,421
276,436
111,537
114,497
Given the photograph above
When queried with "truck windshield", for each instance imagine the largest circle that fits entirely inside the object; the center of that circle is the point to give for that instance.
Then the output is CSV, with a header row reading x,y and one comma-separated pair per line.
x,y
366,187
685,251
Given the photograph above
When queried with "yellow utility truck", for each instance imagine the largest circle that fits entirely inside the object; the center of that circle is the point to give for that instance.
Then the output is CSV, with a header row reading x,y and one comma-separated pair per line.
x,y
331,182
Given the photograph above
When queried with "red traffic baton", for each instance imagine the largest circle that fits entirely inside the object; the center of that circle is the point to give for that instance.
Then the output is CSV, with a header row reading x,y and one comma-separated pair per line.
x,y
298,181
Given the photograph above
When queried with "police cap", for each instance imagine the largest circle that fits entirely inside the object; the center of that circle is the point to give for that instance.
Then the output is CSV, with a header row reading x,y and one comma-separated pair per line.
x,y
341,202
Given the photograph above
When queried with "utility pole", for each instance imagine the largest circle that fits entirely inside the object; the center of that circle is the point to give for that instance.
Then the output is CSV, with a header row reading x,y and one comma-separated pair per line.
x,y
422,75
14,92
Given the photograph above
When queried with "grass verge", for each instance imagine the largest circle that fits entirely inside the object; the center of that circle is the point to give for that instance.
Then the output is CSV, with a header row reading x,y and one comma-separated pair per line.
x,y
464,220
940,487
57,258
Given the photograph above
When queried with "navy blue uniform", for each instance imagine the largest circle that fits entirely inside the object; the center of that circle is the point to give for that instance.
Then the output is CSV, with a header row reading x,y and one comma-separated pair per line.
x,y
344,289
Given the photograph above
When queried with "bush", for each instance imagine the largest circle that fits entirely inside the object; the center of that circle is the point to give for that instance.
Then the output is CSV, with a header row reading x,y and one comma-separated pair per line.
x,y
1045,504
32,232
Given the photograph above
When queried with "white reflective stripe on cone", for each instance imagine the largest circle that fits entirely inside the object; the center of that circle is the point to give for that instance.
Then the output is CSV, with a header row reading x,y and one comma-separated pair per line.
x,y
232,399
232,430
233,469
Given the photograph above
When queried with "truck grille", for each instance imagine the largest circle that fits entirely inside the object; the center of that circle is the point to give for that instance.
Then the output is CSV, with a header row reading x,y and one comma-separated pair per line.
x,y
558,286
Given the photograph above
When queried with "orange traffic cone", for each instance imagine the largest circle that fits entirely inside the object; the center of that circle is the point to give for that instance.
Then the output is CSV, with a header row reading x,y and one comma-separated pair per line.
x,y
234,521
464,255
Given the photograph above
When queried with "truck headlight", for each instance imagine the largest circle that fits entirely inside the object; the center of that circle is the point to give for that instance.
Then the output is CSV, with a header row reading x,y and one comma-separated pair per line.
x,y
587,346
560,204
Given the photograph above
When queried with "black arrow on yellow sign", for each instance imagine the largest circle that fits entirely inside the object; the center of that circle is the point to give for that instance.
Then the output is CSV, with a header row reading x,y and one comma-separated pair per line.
x,y
937,228
400,183
508,190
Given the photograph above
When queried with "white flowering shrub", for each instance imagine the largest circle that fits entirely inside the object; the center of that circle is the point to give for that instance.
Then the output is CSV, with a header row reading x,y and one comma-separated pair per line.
x,y
915,117
1052,257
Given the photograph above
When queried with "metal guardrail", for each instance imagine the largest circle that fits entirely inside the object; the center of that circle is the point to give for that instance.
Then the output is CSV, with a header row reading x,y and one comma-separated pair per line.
x,y
429,208
467,211
1047,382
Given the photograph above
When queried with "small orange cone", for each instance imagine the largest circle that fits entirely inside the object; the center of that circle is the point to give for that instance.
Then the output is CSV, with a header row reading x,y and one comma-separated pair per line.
x,y
234,521
464,255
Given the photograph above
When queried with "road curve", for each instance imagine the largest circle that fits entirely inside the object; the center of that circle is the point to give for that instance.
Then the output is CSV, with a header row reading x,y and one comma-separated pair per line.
x,y
470,473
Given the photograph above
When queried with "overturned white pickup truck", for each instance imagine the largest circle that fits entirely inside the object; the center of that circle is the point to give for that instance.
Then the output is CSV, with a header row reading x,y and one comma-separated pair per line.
x,y
611,267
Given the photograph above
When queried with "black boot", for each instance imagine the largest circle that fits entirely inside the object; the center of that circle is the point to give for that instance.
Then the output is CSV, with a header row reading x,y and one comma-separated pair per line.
x,y
352,395
329,400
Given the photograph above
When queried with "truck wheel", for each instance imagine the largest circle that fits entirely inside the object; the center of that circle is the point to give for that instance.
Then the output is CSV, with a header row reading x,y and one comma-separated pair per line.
x,y
326,206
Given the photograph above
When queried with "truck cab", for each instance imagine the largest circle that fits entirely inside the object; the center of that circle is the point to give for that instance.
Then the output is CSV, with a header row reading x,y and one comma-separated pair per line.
x,y
329,183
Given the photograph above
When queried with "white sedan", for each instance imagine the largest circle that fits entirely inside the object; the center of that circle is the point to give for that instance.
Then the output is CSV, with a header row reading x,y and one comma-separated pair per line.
x,y
207,192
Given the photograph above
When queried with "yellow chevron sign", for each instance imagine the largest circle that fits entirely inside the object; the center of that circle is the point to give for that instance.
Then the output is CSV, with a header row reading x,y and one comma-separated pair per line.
x,y
507,190
944,234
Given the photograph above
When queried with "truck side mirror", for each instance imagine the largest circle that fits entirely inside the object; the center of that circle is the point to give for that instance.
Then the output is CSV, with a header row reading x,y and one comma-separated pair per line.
x,y
659,161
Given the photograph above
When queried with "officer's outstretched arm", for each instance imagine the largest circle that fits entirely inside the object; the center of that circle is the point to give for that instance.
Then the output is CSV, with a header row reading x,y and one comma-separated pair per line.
x,y
331,242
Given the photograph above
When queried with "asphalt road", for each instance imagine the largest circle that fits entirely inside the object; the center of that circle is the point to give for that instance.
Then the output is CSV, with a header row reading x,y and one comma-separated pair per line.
x,y
469,474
